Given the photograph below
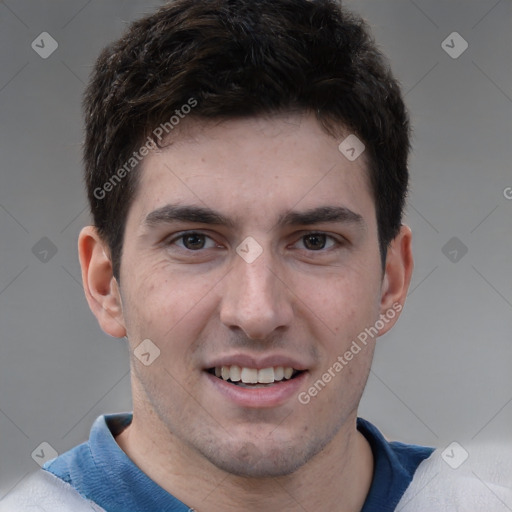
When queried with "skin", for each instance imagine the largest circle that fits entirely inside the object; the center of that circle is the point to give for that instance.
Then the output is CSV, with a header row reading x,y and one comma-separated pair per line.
x,y
299,299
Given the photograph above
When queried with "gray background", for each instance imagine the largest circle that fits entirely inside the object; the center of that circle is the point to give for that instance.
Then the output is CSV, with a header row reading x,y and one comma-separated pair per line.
x,y
442,374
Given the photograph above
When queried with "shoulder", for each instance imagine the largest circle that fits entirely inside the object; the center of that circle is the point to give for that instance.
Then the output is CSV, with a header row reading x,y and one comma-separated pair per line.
x,y
44,492
458,479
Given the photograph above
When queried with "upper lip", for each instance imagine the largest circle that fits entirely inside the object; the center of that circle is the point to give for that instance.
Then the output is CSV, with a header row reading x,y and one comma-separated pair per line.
x,y
248,361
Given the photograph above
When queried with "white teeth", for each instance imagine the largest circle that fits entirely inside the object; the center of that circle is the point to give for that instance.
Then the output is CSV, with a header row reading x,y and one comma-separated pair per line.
x,y
235,373
266,375
249,375
288,372
253,375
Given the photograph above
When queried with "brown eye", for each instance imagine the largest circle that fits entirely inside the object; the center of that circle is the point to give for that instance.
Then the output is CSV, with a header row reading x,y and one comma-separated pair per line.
x,y
194,241
314,241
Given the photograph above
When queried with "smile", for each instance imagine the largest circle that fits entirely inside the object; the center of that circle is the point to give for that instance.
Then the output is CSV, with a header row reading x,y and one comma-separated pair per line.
x,y
253,377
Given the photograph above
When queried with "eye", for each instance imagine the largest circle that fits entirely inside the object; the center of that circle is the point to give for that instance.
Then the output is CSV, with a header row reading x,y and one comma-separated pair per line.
x,y
193,241
317,241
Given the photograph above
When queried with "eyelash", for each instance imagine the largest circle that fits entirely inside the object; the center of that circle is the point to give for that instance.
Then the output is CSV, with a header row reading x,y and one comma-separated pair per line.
x,y
182,235
335,241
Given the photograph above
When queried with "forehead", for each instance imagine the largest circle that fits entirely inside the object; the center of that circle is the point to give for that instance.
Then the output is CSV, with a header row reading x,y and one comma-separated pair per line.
x,y
255,167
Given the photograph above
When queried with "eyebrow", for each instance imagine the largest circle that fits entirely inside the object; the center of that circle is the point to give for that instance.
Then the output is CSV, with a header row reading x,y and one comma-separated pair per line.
x,y
204,215
322,214
197,214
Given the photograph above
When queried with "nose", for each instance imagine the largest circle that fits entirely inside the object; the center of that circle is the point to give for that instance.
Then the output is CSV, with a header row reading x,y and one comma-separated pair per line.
x,y
256,299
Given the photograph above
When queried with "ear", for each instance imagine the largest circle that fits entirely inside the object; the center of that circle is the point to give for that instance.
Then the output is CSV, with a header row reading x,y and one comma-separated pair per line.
x,y
100,286
397,277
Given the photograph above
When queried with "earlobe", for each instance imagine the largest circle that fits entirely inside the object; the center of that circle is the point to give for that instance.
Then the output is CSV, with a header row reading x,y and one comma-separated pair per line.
x,y
100,286
397,277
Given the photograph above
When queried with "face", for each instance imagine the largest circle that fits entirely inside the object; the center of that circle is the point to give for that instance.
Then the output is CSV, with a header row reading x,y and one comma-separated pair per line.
x,y
251,254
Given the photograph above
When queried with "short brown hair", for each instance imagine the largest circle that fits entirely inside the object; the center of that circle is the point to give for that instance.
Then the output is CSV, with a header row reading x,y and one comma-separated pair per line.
x,y
240,58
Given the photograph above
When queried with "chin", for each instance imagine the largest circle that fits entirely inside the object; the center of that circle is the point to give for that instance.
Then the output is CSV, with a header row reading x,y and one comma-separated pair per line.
x,y
264,459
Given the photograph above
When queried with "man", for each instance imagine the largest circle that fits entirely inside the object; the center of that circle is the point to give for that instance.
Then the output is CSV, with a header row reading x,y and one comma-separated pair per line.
x,y
246,166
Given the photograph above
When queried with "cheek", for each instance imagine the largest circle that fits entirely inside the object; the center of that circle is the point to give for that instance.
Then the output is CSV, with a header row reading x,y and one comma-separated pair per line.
x,y
345,301
170,309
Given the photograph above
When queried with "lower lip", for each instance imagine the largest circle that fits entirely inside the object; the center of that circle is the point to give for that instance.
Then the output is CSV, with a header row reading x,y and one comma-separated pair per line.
x,y
270,396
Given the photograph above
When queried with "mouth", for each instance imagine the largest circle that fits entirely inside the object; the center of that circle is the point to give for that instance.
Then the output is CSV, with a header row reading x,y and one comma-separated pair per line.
x,y
254,378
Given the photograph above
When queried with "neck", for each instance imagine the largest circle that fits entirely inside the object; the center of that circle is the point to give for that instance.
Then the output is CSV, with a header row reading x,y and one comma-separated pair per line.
x,y
338,478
